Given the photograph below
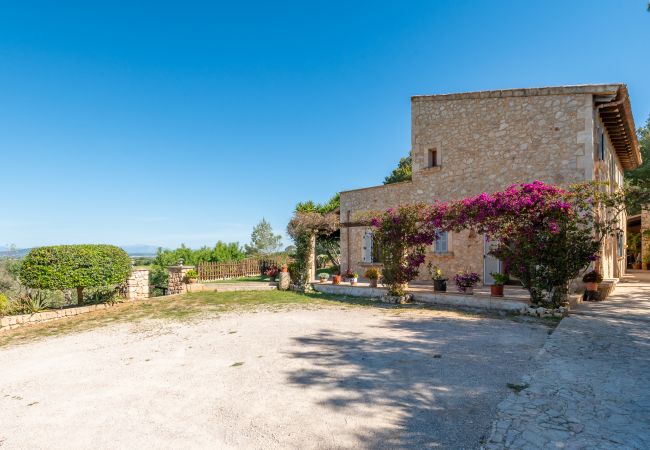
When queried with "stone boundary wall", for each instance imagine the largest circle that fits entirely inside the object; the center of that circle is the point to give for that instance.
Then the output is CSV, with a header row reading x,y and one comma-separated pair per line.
x,y
11,322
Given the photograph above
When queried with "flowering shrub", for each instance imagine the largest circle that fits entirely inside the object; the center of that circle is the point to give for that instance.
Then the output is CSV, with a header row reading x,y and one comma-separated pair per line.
x,y
271,272
465,280
403,237
546,234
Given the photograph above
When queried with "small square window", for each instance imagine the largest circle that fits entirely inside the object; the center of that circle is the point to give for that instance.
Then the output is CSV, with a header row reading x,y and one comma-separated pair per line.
x,y
433,158
441,245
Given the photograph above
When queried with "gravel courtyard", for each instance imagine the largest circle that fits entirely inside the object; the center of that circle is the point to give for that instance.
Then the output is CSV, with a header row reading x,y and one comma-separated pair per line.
x,y
326,377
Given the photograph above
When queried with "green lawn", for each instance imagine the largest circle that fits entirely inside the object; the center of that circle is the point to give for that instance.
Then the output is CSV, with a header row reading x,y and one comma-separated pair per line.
x,y
177,307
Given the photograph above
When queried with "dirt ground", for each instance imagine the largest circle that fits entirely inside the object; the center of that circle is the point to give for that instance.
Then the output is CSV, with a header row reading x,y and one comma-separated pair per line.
x,y
297,378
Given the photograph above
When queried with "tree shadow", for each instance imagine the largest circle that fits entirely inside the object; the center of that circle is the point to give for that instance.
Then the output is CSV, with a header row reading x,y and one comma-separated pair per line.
x,y
434,382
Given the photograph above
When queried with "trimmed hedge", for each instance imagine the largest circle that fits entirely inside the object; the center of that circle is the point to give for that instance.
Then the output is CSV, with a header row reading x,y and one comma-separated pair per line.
x,y
75,266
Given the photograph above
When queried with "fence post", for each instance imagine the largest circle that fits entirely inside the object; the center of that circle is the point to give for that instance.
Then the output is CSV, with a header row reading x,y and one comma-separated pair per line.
x,y
176,280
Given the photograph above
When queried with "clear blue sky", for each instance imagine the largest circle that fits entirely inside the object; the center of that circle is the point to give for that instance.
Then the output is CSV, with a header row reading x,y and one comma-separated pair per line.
x,y
172,122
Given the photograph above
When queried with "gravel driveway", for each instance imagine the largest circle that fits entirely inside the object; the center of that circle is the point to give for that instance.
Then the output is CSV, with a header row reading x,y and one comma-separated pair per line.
x,y
297,378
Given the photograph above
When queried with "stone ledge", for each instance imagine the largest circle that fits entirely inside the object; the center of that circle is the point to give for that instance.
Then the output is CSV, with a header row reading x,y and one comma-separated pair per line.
x,y
435,298
11,322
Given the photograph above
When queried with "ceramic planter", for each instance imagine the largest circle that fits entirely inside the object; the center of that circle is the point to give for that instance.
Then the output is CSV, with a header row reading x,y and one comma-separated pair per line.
x,y
469,290
440,285
591,286
336,279
373,283
191,280
636,266
353,281
496,290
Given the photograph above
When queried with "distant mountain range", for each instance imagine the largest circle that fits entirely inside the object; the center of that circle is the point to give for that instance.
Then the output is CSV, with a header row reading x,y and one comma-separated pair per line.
x,y
132,250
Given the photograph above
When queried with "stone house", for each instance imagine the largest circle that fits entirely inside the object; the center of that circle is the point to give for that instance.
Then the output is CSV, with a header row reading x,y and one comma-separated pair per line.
x,y
467,143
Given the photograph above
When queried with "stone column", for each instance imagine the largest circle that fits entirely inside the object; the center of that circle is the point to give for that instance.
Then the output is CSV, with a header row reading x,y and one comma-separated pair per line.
x,y
645,233
311,260
137,286
176,282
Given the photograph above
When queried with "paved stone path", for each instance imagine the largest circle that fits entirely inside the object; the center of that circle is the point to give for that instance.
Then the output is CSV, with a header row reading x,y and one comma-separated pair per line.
x,y
591,385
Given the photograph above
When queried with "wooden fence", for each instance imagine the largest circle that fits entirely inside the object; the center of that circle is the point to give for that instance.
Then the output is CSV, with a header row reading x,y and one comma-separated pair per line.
x,y
250,267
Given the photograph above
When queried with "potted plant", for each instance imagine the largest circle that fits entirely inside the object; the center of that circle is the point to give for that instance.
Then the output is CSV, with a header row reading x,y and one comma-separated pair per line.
x,y
353,278
373,274
438,277
191,276
323,277
271,272
496,290
465,281
336,279
591,280
348,275
634,249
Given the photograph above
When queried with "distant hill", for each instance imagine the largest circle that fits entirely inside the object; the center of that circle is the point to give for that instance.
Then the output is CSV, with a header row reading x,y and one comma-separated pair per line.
x,y
132,250
140,249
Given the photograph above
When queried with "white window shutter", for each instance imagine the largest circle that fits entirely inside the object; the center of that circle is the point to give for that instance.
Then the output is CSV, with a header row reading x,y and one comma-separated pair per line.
x,y
367,247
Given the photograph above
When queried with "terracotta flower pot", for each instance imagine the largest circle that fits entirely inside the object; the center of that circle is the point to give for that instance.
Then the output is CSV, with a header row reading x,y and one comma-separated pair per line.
x,y
591,286
284,269
191,280
496,290
336,279
373,283
636,266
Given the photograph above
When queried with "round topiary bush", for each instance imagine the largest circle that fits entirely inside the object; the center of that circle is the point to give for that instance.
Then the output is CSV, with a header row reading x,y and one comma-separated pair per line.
x,y
75,266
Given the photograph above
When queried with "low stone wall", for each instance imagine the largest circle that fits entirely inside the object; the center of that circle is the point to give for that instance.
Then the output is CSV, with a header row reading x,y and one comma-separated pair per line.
x,y
10,322
434,298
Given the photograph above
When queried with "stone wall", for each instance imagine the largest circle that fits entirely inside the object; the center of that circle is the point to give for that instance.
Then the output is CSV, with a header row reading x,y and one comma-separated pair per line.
x,y
483,142
137,286
176,281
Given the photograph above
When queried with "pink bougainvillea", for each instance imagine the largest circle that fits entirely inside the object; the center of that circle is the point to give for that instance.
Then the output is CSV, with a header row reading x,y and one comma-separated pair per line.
x,y
546,234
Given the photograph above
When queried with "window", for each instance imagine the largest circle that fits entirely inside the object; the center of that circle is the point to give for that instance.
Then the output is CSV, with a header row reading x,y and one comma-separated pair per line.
x,y
371,248
442,244
619,245
433,158
602,146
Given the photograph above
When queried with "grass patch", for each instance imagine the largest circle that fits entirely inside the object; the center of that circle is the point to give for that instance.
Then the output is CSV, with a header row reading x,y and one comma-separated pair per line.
x,y
178,307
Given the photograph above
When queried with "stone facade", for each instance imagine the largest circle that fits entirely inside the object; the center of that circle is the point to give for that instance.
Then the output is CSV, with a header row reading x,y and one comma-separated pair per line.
x,y
137,286
465,144
176,282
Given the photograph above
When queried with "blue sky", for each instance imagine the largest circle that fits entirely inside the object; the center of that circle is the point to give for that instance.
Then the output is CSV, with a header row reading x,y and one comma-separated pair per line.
x,y
169,122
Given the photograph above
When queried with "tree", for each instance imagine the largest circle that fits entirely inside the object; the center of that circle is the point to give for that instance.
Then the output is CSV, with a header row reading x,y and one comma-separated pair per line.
x,y
263,241
402,172
75,266
641,175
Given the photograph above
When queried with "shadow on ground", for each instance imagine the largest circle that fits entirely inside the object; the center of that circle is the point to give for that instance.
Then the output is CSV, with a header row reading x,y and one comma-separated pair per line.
x,y
436,378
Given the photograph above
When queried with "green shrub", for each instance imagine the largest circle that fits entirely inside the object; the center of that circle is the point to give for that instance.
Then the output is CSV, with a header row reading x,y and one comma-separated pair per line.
x,y
75,266
4,305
